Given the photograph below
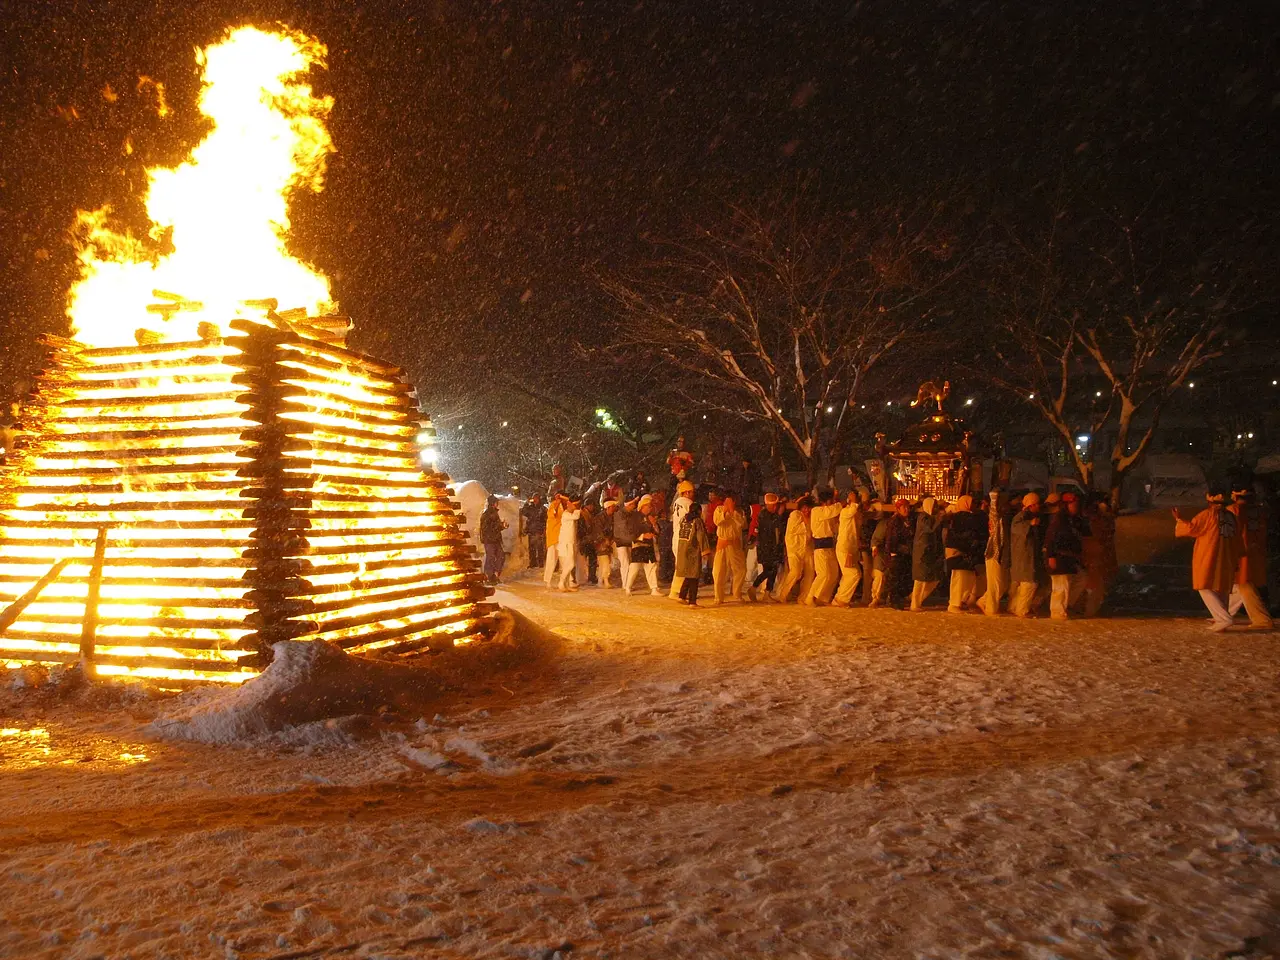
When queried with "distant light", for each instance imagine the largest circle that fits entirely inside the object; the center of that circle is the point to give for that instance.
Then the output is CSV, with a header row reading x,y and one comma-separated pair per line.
x,y
1083,438
1239,436
1191,385
864,406
889,403
969,402
831,409
1031,396
459,426
430,456
1275,382
1077,446
704,416
648,419
1251,436
1098,394
504,423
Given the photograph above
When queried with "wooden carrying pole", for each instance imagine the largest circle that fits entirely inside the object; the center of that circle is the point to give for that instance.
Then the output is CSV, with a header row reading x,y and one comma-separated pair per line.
x,y
89,631
11,613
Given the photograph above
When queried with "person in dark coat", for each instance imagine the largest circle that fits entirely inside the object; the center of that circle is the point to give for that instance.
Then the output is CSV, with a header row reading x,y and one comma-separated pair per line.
x,y
927,565
638,486
963,541
1064,555
534,514
1027,574
770,549
745,480
895,553
491,527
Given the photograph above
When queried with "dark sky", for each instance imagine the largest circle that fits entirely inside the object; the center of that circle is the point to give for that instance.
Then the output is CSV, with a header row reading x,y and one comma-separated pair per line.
x,y
493,155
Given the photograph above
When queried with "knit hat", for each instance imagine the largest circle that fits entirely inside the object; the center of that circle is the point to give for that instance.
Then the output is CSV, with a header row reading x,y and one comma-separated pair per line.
x,y
684,486
1031,499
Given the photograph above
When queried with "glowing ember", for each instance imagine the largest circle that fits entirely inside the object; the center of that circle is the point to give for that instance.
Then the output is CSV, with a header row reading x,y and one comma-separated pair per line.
x,y
224,212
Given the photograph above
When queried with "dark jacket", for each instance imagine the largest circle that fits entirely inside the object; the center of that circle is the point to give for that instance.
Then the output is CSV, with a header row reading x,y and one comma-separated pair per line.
x,y
746,482
770,530
926,550
490,525
1064,543
899,535
625,525
535,519
1026,556
965,531
596,530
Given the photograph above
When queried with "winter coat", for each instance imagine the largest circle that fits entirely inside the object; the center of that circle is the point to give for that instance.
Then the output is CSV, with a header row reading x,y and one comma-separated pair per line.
x,y
879,544
770,529
1026,556
1252,567
644,547
799,541
535,520
926,549
899,535
1100,550
491,525
1217,549
691,545
962,540
729,527
598,532
625,526
998,533
637,488
1064,543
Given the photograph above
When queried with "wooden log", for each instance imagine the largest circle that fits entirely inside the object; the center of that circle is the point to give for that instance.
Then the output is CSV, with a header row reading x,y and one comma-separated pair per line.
x,y
456,554
145,421
149,435
91,355
86,398
345,355
400,433
338,624
195,507
121,452
160,486
409,593
471,611
373,585
209,356
37,656
211,583
201,664
176,560
12,612
323,401
136,528
341,481
382,546
90,627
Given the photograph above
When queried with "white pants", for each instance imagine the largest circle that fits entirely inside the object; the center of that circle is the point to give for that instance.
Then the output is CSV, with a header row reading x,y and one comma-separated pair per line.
x,y
850,580
549,568
964,587
633,574
920,592
728,570
624,562
997,584
1246,595
604,568
1067,588
826,576
1024,597
1217,609
799,570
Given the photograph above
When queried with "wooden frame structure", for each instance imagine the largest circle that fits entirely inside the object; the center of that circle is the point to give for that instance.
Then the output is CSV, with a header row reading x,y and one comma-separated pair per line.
x,y
260,487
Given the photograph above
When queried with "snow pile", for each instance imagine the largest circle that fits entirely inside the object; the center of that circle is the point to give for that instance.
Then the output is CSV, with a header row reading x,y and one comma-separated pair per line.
x,y
308,685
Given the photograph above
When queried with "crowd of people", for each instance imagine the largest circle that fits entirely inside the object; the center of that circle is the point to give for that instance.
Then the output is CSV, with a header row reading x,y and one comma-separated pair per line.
x,y
997,554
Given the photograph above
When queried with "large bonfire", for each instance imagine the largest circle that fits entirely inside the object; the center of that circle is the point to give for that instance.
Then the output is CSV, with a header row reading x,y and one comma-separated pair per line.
x,y
206,469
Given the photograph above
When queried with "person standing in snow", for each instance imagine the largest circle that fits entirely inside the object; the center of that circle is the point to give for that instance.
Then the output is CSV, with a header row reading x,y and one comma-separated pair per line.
x,y
1027,573
770,529
962,544
557,486
491,527
746,482
870,512
824,522
1064,553
1215,555
927,564
729,568
714,499
848,555
638,487
996,554
692,549
567,546
644,554
666,553
799,543
1251,569
1100,564
680,508
625,524
534,515
555,511
680,460
599,535
896,536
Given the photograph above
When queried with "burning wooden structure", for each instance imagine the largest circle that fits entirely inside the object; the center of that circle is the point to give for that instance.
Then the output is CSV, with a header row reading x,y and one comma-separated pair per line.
x,y
260,487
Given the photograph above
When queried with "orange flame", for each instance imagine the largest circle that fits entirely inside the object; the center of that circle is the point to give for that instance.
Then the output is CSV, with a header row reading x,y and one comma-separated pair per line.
x,y
224,212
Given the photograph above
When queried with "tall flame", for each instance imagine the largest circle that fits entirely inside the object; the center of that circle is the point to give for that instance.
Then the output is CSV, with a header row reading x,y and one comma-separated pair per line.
x,y
225,210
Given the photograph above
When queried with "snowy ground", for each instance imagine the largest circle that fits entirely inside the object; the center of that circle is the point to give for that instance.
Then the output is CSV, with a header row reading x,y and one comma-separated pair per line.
x,y
740,781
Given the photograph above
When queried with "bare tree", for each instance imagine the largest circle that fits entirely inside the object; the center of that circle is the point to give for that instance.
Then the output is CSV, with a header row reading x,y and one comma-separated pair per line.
x,y
1101,336
778,316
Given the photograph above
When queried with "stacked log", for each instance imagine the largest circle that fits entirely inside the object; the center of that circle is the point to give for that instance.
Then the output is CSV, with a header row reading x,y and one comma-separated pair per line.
x,y
256,488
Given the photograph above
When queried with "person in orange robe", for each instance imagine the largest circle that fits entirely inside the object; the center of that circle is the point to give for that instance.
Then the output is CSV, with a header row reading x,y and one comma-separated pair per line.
x,y
1213,560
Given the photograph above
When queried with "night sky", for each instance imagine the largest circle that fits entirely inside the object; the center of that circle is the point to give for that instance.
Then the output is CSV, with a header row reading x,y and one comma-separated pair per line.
x,y
494,156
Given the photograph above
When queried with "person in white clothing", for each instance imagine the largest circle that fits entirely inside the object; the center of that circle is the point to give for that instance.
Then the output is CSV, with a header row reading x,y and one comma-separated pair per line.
x,y
567,546
848,554
644,549
799,544
729,568
555,510
679,509
824,520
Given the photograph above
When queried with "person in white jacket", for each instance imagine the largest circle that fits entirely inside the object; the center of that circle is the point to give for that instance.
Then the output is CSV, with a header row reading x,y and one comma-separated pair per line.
x,y
679,509
799,552
567,546
848,551
824,520
729,568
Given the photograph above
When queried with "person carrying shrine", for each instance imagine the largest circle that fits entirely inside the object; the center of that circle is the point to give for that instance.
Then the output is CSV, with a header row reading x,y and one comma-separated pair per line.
x,y
1064,555
799,543
996,554
770,546
729,568
824,523
1027,573
927,564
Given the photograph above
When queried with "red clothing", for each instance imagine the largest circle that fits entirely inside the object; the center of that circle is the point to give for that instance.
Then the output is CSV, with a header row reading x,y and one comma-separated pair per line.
x,y
1217,549
1252,525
